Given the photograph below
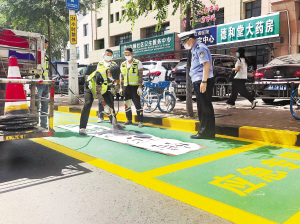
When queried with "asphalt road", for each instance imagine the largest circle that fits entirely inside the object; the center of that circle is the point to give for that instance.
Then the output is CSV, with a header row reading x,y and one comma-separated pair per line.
x,y
40,185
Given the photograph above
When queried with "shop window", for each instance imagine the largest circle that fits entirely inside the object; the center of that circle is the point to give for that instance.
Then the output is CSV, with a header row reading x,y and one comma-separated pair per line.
x,y
224,51
165,29
111,18
85,29
219,20
111,1
117,16
253,9
86,51
77,52
100,22
124,38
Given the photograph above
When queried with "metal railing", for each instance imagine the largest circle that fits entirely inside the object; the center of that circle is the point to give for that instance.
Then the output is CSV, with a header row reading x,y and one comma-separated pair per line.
x,y
262,90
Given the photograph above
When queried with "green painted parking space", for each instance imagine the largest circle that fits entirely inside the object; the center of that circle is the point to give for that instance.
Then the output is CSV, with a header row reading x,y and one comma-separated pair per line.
x,y
230,177
134,158
264,181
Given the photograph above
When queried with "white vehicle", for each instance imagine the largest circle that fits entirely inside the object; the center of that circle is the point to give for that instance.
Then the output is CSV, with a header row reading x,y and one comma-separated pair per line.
x,y
160,69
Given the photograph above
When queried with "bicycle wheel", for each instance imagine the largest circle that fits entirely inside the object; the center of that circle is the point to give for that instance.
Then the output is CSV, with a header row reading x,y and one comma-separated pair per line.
x,y
166,103
295,105
150,101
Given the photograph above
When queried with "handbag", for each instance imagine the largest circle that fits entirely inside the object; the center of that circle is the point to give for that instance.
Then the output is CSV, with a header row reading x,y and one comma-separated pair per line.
x,y
232,75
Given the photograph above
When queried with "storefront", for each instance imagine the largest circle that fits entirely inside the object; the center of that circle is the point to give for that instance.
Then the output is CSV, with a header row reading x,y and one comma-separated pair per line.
x,y
156,48
257,35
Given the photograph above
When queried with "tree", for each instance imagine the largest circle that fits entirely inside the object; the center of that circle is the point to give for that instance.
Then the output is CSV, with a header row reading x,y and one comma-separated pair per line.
x,y
48,17
192,11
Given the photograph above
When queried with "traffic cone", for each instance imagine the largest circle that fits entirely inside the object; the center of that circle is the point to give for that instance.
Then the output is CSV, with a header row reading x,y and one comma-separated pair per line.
x,y
15,91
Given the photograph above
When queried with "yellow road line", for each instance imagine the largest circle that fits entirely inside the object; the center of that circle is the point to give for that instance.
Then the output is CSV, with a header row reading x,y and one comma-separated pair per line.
x,y
294,219
205,159
209,205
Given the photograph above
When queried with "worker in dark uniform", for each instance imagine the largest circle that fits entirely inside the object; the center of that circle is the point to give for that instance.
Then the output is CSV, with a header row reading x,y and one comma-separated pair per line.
x,y
107,62
131,85
201,73
96,87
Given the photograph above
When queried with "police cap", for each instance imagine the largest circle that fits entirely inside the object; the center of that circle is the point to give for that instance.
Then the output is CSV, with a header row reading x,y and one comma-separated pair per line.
x,y
186,35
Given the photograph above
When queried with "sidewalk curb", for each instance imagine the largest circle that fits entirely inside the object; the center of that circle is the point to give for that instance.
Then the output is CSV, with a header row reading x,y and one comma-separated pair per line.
x,y
289,138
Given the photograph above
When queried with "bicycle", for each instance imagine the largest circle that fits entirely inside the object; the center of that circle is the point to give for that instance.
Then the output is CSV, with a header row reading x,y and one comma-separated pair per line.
x,y
167,99
295,104
149,97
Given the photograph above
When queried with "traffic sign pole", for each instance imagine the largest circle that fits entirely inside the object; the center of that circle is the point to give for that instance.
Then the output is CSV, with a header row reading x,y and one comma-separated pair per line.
x,y
73,69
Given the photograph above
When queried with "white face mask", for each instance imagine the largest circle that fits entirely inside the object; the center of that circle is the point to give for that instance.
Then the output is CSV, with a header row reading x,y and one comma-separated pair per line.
x,y
108,58
128,58
186,46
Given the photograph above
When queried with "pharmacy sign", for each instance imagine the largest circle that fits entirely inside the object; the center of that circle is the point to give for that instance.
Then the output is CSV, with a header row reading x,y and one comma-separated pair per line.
x,y
249,29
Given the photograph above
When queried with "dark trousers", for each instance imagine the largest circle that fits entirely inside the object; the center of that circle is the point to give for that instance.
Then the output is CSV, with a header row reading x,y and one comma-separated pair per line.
x,y
100,106
131,94
205,108
239,87
88,102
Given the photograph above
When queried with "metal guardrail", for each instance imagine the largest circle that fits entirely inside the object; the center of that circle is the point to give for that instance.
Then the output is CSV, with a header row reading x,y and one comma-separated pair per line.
x,y
262,90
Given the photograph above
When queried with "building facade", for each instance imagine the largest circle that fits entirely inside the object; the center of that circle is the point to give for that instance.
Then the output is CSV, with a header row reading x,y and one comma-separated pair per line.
x,y
104,31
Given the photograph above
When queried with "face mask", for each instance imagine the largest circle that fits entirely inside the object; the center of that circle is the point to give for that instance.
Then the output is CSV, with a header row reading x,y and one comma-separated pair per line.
x,y
186,46
237,54
108,58
128,58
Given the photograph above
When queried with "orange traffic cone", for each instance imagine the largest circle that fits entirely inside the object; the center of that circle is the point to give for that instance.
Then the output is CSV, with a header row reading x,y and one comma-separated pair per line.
x,y
15,91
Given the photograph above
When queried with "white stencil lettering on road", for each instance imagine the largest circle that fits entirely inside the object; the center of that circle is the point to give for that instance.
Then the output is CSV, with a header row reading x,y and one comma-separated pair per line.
x,y
152,143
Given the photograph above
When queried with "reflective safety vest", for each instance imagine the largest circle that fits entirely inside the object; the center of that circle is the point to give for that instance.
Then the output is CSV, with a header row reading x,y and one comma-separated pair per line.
x,y
101,66
131,77
45,73
92,83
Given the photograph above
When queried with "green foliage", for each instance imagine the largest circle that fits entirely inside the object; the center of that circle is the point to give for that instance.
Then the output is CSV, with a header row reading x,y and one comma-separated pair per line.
x,y
141,8
33,16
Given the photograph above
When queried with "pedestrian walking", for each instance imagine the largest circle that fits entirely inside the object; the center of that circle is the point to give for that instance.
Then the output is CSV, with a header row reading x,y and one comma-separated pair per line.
x,y
131,85
96,87
201,73
239,80
106,63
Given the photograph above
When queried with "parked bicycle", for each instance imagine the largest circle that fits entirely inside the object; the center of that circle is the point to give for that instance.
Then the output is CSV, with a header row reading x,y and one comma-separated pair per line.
x,y
167,99
295,104
149,97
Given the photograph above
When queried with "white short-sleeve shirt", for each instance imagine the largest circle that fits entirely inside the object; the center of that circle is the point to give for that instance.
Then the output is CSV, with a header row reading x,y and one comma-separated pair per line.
x,y
242,73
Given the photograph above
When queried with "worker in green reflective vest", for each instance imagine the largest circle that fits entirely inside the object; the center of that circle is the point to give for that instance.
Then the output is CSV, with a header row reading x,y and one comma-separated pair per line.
x,y
131,85
106,63
96,87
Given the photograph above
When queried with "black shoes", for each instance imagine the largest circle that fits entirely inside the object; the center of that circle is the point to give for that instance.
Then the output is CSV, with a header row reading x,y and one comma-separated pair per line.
x,y
201,136
128,122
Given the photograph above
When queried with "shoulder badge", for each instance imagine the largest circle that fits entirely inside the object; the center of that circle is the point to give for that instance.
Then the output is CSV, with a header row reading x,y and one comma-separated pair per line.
x,y
201,54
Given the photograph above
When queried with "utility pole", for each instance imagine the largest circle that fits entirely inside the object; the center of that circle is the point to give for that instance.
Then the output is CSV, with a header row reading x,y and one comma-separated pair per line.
x,y
73,69
73,5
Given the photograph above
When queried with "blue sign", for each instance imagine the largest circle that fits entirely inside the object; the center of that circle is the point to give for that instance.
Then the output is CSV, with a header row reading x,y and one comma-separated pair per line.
x,y
207,36
72,5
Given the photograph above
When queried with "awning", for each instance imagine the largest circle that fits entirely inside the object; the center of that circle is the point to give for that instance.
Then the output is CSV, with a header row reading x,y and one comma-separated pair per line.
x,y
248,43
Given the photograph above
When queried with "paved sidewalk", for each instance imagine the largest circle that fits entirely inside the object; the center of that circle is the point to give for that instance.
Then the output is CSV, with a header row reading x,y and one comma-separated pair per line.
x,y
230,122
264,116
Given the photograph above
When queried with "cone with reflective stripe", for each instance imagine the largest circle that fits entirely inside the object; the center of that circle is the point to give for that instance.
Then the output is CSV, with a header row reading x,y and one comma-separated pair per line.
x,y
15,91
